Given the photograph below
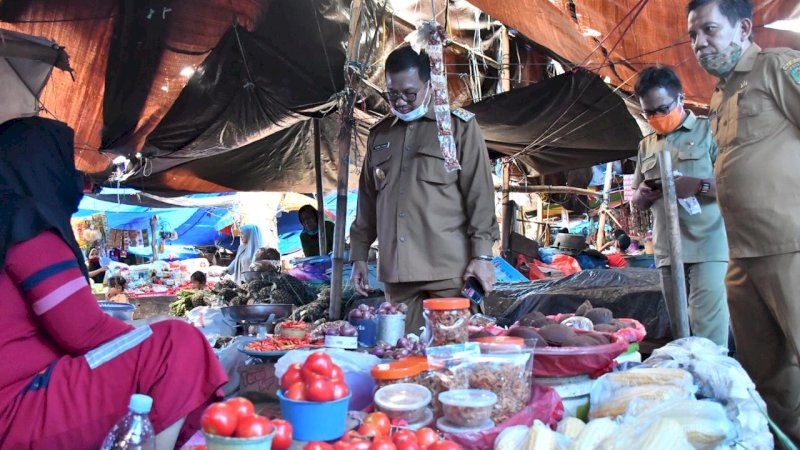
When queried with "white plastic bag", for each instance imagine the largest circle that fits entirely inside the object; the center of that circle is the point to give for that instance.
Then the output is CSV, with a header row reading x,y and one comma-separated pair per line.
x,y
231,359
210,322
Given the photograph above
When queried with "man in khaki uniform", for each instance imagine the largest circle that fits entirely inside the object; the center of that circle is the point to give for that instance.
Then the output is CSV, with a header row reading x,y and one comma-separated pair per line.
x,y
703,242
435,228
755,113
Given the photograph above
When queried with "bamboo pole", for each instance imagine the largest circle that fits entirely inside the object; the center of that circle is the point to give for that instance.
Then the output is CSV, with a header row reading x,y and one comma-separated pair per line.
x,y
505,61
677,305
323,236
554,190
352,81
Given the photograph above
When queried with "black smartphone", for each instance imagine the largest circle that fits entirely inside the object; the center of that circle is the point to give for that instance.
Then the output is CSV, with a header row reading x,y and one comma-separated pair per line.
x,y
653,184
473,290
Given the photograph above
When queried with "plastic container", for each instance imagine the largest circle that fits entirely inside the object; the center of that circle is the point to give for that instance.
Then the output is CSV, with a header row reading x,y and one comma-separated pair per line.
x,y
134,431
214,442
445,426
314,421
121,311
468,408
406,370
574,393
404,401
446,321
391,327
367,331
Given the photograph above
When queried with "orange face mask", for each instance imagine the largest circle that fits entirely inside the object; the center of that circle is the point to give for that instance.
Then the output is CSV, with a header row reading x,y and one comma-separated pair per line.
x,y
667,123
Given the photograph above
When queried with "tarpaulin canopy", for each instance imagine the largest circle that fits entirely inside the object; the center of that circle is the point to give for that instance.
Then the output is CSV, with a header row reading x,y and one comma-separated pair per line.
x,y
618,38
217,95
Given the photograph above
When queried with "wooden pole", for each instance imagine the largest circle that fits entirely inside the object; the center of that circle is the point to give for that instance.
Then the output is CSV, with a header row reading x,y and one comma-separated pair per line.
x,y
323,236
553,190
677,305
508,217
505,61
352,81
601,226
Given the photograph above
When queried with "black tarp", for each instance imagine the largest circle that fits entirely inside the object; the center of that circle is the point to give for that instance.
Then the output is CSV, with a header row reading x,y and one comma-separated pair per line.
x,y
629,293
570,121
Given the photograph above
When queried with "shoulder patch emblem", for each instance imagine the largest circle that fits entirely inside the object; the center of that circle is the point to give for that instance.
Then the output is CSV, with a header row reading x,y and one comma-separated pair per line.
x,y
463,114
793,67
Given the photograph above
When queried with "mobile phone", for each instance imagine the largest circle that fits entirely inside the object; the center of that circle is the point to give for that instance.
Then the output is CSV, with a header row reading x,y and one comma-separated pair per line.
x,y
473,290
653,184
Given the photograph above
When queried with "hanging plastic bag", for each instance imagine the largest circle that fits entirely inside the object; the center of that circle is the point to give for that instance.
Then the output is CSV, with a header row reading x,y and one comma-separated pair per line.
x,y
210,322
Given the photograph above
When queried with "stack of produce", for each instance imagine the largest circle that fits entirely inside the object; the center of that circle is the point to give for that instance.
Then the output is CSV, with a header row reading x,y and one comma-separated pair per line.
x,y
189,299
236,420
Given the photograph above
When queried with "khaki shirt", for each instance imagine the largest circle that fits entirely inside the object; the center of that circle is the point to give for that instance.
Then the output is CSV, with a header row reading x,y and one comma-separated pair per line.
x,y
430,223
756,121
693,151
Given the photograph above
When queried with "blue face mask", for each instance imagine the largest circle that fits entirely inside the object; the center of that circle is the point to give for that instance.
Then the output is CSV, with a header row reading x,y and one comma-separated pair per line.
x,y
417,112
311,232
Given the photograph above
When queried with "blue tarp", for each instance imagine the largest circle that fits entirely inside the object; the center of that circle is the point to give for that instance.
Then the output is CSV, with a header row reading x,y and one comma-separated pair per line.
x,y
195,226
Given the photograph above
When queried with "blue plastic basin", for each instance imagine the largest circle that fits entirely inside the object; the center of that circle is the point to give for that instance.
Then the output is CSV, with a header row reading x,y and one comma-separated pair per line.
x,y
314,421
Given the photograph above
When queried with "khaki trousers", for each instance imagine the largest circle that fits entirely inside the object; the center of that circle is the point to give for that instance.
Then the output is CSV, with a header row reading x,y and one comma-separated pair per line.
x,y
708,307
764,300
412,294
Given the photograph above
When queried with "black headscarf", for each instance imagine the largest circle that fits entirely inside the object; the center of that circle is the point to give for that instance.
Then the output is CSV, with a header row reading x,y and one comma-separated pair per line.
x,y
40,188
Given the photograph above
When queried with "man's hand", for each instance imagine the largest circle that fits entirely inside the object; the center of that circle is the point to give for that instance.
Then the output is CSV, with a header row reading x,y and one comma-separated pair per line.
x,y
483,271
687,186
645,196
359,278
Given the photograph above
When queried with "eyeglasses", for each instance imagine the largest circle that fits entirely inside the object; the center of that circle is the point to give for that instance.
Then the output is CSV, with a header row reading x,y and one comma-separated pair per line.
x,y
408,97
660,111
393,97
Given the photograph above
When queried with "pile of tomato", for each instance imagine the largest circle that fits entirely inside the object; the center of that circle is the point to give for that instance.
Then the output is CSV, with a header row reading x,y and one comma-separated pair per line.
x,y
316,380
375,433
237,418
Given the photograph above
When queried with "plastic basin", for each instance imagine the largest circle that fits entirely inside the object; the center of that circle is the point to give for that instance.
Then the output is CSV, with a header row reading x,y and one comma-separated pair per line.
x,y
121,311
314,421
214,442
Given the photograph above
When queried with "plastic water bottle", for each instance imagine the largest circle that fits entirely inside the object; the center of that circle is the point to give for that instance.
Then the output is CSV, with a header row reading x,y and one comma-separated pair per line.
x,y
134,431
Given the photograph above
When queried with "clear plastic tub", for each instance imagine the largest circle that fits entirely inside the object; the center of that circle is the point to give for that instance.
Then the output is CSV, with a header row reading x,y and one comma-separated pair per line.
x,y
404,401
468,408
446,321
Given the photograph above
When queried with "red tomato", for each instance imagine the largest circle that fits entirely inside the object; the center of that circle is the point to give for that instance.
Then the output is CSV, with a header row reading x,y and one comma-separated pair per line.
x,y
319,390
242,406
426,437
370,431
318,446
283,435
405,437
350,435
383,444
296,392
359,444
408,446
219,419
445,445
340,390
336,373
380,421
253,426
292,376
319,363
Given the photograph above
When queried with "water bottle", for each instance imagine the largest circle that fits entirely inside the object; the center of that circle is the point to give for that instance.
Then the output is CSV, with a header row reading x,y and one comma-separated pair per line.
x,y
134,431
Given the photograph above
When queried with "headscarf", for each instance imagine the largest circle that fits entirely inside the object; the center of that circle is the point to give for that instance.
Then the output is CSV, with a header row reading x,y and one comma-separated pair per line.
x,y
247,252
40,188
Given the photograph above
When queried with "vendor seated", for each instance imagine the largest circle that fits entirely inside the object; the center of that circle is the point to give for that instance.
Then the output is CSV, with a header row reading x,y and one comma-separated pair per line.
x,y
116,290
309,237
198,281
616,254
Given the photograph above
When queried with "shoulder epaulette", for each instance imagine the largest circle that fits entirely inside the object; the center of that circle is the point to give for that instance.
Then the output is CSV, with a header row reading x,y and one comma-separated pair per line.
x,y
463,114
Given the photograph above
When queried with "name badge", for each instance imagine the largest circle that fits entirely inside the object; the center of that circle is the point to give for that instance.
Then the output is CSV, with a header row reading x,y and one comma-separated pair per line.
x,y
380,147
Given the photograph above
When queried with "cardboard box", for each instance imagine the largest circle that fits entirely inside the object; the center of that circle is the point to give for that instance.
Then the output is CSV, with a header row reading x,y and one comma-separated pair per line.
x,y
259,379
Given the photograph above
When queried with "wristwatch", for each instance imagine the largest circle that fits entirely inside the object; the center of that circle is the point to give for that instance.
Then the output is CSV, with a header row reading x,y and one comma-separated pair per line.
x,y
705,186
484,258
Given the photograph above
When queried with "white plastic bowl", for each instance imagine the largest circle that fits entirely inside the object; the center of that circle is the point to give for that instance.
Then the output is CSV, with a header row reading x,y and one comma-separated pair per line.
x,y
468,408
404,401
